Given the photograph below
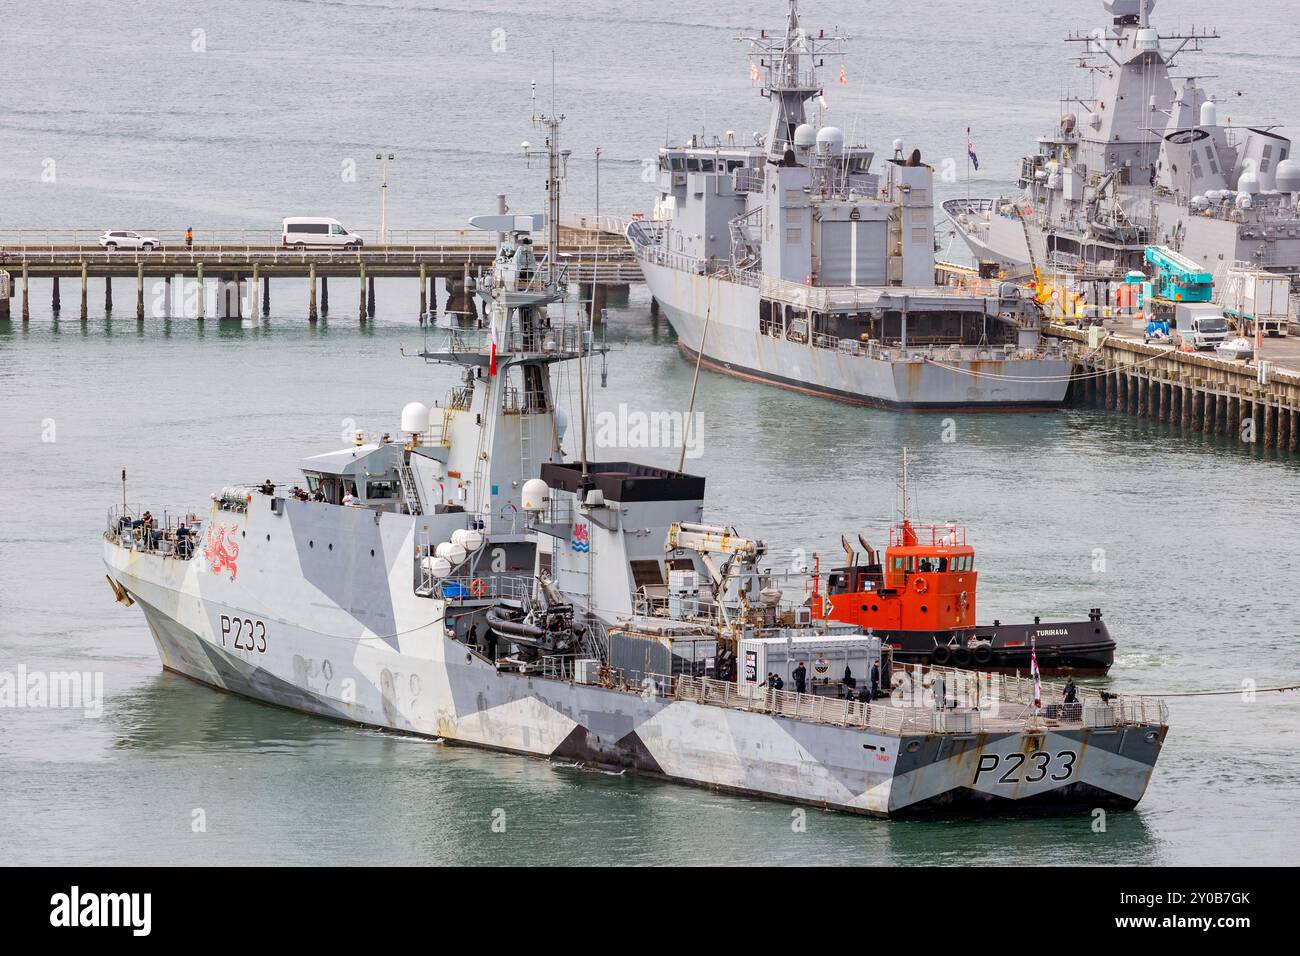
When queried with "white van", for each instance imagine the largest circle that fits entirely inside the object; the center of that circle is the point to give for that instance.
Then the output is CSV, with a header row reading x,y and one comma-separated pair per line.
x,y
299,232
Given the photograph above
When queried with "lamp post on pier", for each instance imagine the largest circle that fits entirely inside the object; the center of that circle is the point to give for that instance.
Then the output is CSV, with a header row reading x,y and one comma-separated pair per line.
x,y
384,159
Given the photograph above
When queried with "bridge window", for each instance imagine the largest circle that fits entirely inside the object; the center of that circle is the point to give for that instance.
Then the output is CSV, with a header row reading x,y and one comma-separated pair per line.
x,y
380,489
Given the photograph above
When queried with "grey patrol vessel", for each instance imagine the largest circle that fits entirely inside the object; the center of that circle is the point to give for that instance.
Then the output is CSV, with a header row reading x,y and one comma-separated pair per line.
x,y
793,261
1144,158
466,581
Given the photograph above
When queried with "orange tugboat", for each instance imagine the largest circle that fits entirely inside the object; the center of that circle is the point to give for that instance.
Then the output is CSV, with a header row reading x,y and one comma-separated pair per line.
x,y
920,597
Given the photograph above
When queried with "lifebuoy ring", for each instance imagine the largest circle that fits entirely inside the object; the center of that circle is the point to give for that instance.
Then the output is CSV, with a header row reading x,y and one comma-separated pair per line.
x,y
941,654
920,585
982,653
478,587
963,599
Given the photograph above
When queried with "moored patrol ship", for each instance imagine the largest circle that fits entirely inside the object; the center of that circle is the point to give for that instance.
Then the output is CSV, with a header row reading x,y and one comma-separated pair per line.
x,y
407,591
792,262
1146,162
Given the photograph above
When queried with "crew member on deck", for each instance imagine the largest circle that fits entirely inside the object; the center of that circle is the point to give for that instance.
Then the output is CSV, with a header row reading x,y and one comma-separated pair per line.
x,y
267,488
800,679
1071,693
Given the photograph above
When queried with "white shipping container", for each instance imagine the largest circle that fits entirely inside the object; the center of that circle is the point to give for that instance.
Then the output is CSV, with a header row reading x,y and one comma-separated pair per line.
x,y
824,655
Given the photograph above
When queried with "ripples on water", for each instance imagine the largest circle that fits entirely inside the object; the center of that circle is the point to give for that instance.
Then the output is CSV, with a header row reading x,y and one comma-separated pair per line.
x,y
1198,536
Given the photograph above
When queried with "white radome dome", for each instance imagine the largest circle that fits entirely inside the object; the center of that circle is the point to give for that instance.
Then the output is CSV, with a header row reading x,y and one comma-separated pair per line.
x,y
1287,176
805,135
831,140
471,539
415,418
1248,183
535,494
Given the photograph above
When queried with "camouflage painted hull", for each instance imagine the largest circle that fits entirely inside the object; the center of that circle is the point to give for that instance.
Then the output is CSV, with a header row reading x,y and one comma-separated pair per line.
x,y
297,643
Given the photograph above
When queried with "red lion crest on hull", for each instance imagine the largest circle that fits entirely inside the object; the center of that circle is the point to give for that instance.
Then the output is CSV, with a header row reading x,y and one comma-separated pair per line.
x,y
220,553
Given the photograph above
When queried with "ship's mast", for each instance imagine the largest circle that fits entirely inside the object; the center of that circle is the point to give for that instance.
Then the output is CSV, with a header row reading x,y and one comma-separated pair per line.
x,y
791,65
557,163
906,502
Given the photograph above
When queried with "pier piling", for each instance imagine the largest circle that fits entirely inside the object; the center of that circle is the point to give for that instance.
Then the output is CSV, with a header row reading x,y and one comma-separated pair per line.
x,y
424,292
311,293
370,296
139,291
201,297
85,283
27,312
108,295
54,296
324,295
266,295
361,308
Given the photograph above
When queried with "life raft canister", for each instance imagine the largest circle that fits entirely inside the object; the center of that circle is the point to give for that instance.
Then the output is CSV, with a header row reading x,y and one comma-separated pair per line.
x,y
920,585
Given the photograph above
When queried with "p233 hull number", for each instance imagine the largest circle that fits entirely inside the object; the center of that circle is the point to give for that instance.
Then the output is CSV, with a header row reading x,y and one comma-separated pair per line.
x,y
243,634
1014,768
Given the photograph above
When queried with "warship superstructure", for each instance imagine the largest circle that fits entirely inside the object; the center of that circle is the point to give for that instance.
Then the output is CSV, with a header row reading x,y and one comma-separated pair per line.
x,y
468,581
1144,158
794,262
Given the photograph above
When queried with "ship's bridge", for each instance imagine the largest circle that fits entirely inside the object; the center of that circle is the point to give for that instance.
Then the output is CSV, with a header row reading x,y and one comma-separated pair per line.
x,y
366,475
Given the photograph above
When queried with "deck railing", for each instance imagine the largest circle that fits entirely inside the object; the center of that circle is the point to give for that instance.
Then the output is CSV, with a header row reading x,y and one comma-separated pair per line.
x,y
169,533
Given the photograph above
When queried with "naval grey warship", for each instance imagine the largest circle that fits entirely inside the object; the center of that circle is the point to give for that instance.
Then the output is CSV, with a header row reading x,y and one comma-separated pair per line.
x,y
1140,161
467,581
792,261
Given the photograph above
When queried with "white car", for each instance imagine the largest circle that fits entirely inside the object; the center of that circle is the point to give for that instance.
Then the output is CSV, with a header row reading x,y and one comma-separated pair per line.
x,y
123,239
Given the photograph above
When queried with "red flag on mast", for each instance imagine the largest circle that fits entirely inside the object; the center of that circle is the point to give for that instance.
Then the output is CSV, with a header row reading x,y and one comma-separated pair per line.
x,y
492,359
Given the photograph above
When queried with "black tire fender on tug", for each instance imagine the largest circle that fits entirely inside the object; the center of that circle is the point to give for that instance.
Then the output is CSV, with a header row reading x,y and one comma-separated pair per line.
x,y
941,654
982,653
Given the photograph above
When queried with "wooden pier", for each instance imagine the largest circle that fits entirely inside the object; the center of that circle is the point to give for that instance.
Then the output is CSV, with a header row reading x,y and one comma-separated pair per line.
x,y
596,258
1256,403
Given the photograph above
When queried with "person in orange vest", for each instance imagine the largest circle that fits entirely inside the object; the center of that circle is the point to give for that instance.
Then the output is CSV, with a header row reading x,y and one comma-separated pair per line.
x,y
189,237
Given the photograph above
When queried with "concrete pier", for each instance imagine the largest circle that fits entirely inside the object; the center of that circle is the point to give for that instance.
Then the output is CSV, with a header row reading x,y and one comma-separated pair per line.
x,y
1196,392
593,257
